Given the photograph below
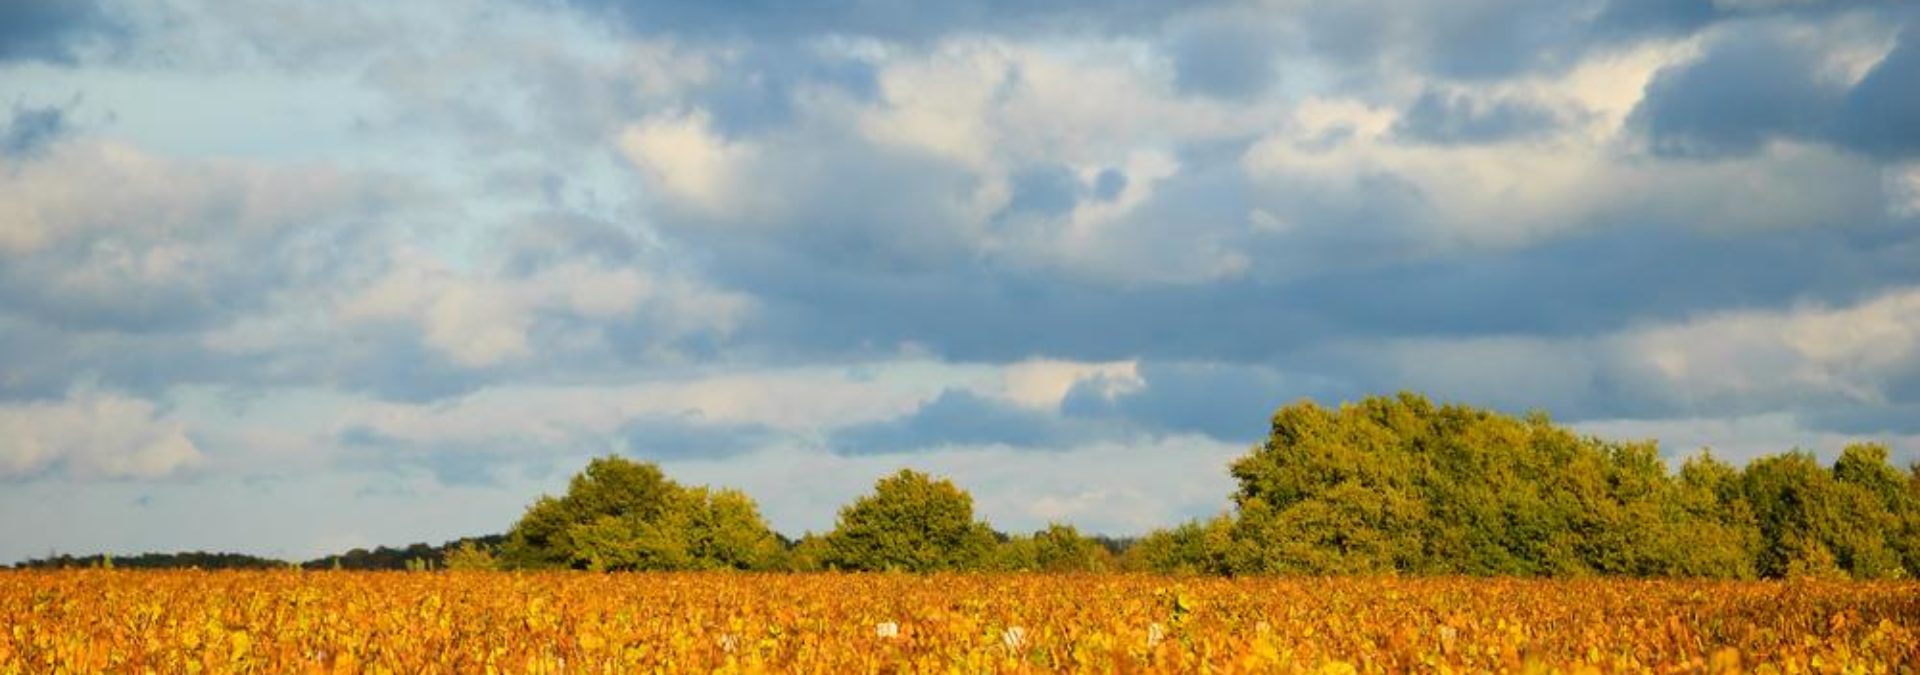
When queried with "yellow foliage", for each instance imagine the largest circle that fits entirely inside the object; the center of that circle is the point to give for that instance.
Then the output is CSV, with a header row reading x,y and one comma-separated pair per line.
x,y
102,621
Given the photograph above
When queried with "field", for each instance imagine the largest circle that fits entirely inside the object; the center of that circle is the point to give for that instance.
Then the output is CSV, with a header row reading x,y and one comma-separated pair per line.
x,y
218,622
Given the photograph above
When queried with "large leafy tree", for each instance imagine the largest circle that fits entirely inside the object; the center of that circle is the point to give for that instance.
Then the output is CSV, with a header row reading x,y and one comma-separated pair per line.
x,y
619,514
1399,484
911,523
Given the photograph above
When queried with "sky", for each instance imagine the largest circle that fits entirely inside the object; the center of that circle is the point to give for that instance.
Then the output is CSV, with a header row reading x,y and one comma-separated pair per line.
x,y
288,278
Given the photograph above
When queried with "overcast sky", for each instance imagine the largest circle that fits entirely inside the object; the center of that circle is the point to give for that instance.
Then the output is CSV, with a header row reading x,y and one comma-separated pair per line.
x,y
291,277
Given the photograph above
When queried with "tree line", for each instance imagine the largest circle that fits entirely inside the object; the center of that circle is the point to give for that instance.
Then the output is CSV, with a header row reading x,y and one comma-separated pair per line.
x,y
1386,485
420,556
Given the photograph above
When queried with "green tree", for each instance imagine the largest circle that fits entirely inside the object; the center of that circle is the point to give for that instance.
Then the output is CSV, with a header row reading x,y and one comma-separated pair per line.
x,y
620,514
1193,547
1814,524
471,557
1401,485
809,554
1058,548
1721,538
725,531
911,523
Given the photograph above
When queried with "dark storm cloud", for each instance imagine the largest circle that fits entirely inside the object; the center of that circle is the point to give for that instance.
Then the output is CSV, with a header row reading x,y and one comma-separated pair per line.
x,y
667,437
1229,402
1491,39
958,417
1607,280
1044,191
1745,90
32,129
900,20
1757,85
1439,117
1881,116
1868,419
51,30
764,78
1230,62
1610,279
1627,19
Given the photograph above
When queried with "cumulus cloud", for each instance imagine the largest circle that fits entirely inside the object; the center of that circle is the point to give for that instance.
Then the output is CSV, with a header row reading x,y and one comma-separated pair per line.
x,y
53,30
1750,87
1848,353
1744,91
1861,357
479,321
171,242
93,434
688,161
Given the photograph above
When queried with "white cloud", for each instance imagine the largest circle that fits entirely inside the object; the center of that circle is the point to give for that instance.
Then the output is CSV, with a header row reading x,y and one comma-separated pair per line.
x,y
1733,362
104,189
1809,351
92,434
1042,383
479,320
681,154
1903,190
1509,194
103,234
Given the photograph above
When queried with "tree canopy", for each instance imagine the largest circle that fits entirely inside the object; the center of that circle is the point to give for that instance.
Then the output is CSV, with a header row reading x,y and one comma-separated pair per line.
x,y
619,514
1401,485
911,523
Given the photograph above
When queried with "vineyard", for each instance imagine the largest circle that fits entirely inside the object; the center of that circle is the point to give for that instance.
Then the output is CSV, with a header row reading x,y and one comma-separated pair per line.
x,y
317,622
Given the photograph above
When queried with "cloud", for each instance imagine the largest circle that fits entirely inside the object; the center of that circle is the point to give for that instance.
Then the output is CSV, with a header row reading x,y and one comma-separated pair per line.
x,y
482,321
1877,116
1441,117
478,459
1230,402
1770,83
884,19
31,130
173,243
1230,59
52,30
1743,92
93,435
1849,353
687,160
1859,359
663,437
958,417
1492,40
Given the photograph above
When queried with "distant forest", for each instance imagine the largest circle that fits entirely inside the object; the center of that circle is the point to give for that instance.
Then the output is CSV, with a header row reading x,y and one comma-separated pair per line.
x,y
414,557
1387,485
